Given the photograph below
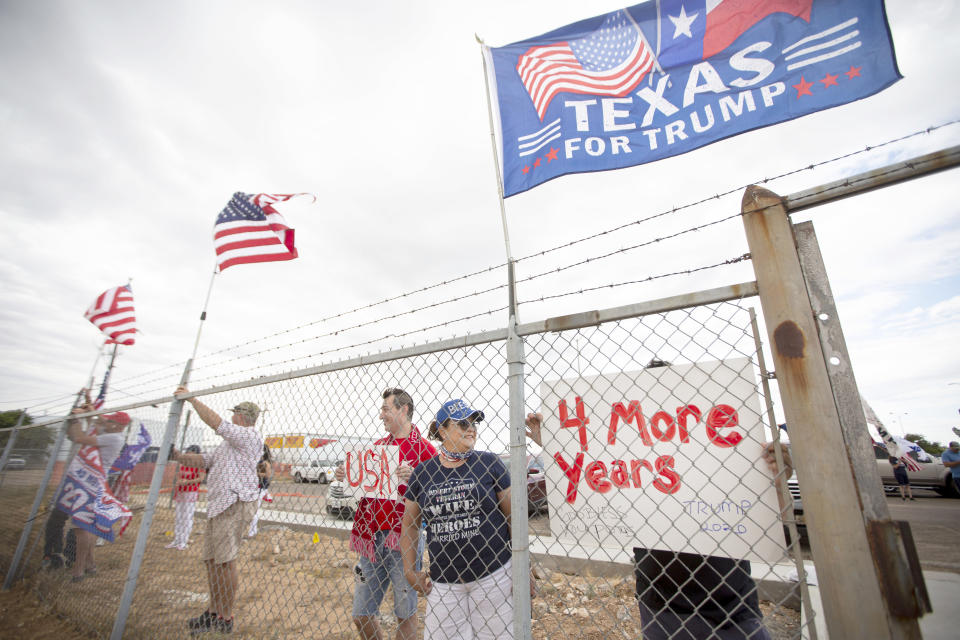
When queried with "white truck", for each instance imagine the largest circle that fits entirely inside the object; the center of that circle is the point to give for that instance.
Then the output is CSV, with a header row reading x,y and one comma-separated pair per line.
x,y
316,471
340,503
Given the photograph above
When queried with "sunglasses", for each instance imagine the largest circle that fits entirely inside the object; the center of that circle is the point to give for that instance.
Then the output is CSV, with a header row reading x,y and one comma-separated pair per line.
x,y
463,424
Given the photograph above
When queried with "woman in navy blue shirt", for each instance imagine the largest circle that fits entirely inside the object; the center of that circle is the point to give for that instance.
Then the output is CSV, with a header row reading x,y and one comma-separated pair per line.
x,y
463,496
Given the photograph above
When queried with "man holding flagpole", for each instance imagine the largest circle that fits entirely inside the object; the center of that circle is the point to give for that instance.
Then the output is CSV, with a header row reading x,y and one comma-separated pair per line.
x,y
232,497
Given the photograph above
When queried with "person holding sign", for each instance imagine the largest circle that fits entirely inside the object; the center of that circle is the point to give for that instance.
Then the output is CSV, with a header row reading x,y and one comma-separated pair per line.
x,y
376,528
463,495
687,596
232,498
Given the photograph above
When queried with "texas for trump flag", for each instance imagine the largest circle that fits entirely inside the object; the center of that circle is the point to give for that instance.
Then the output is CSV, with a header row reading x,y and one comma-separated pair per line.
x,y
250,229
129,457
666,77
112,313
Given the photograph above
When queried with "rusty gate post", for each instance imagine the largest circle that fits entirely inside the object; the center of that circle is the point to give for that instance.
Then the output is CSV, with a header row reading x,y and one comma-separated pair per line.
x,y
847,565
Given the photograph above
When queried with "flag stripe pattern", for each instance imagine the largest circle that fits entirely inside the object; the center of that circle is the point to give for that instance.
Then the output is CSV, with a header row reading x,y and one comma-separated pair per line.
x,y
112,313
894,447
608,62
250,230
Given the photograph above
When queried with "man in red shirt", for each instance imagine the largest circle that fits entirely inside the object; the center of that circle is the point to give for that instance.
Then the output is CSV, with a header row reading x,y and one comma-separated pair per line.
x,y
376,528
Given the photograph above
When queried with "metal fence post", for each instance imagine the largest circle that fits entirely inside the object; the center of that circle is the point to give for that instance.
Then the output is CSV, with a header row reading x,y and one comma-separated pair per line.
x,y
130,585
519,526
10,443
786,515
902,585
853,603
28,525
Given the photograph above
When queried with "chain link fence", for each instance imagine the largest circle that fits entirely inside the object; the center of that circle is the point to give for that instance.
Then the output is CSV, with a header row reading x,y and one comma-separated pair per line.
x,y
650,478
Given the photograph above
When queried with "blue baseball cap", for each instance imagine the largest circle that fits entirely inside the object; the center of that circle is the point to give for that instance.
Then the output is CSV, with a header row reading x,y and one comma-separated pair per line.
x,y
457,410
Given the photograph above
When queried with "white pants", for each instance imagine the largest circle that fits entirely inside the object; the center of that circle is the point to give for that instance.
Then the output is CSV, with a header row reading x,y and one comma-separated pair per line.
x,y
256,516
473,610
183,521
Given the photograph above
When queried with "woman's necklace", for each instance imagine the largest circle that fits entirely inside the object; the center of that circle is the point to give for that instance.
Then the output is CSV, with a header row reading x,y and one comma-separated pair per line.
x,y
451,456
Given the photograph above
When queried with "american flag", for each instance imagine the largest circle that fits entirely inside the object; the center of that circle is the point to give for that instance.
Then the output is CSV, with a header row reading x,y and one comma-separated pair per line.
x,y
102,396
892,442
112,313
894,448
249,230
611,61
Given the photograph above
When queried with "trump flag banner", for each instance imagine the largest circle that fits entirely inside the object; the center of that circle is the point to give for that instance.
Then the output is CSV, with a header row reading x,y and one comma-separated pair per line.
x,y
665,77
87,499
129,457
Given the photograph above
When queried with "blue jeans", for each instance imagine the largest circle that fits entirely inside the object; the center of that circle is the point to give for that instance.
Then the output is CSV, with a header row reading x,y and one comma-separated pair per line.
x,y
371,584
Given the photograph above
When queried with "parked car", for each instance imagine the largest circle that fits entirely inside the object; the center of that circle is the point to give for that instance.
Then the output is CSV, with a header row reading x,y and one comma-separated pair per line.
x,y
317,471
932,475
15,463
536,483
340,504
801,522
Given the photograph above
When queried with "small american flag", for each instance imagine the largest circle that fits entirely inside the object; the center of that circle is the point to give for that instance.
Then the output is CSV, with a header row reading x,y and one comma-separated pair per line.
x,y
112,313
250,230
102,396
611,61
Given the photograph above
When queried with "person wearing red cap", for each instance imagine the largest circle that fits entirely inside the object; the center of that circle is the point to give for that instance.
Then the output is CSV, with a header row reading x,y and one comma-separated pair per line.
x,y
108,439
105,437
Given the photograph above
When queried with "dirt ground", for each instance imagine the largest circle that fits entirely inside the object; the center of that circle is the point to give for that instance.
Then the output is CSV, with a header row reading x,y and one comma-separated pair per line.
x,y
23,615
299,582
294,584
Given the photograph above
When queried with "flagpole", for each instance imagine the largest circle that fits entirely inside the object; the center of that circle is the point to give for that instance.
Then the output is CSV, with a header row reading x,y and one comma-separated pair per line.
x,y
203,316
520,543
146,520
113,357
493,145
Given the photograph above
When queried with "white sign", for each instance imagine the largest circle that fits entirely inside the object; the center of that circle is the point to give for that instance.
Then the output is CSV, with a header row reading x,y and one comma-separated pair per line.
x,y
664,458
371,471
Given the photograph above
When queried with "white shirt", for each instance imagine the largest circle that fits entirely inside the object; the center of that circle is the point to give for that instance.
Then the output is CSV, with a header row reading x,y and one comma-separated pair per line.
x,y
232,468
110,445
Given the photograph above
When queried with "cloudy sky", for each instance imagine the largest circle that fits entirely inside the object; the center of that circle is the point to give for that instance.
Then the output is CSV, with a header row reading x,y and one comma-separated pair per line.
x,y
127,126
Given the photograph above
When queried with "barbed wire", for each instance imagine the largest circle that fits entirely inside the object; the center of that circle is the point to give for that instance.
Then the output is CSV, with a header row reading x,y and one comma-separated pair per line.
x,y
434,305
741,258
447,323
127,387
639,221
